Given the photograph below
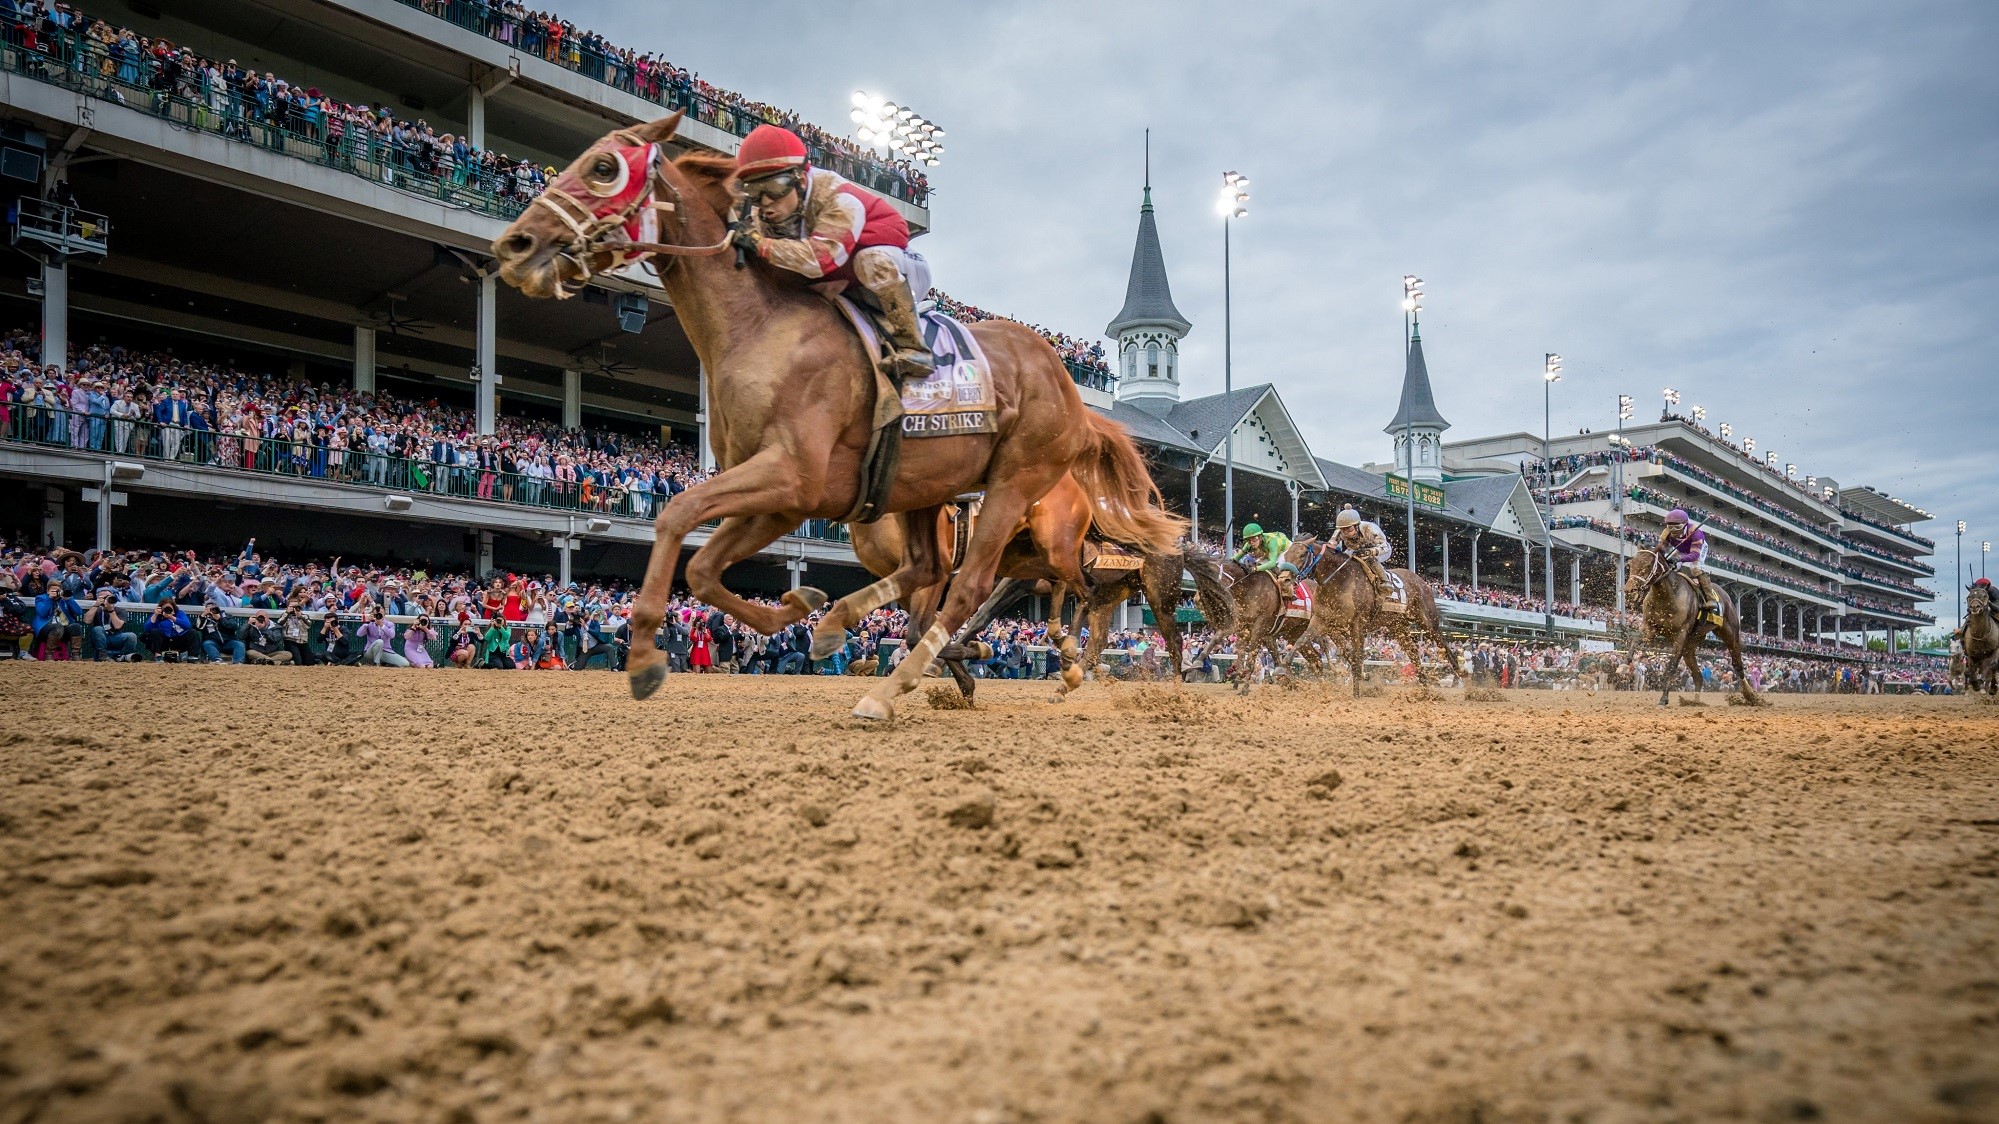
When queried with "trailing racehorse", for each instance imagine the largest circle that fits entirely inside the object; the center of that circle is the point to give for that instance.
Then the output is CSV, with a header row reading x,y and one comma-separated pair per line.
x,y
1669,611
792,408
1347,609
1981,644
1260,622
1049,547
1158,578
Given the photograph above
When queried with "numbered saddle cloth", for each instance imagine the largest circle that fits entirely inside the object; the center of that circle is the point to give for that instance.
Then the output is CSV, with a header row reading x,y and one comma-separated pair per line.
x,y
1111,556
1397,600
1300,604
958,397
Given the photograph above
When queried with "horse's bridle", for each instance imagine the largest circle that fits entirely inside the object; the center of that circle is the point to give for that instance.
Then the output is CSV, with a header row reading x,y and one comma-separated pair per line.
x,y
590,226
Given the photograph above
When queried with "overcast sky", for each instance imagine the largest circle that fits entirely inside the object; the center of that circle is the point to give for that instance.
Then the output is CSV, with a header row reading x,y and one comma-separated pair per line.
x,y
1787,211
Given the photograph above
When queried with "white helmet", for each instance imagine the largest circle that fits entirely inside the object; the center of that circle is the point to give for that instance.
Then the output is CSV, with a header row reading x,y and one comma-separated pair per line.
x,y
1348,518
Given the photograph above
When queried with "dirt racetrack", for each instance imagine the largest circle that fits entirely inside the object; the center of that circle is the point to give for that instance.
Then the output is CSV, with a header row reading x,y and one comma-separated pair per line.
x,y
333,894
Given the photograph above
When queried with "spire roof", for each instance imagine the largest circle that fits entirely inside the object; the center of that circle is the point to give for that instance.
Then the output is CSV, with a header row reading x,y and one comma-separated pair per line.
x,y
1147,297
1418,407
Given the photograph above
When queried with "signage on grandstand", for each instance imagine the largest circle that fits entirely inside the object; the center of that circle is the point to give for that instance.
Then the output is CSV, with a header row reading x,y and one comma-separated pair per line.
x,y
1429,495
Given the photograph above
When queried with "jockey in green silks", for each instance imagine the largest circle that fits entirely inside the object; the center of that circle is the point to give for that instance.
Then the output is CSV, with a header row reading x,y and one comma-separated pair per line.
x,y
1264,550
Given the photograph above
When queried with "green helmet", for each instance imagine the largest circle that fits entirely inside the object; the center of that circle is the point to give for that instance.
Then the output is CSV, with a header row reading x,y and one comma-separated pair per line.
x,y
1251,530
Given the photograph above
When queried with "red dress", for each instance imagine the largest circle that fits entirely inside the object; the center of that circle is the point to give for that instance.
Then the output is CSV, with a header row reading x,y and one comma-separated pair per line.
x,y
701,656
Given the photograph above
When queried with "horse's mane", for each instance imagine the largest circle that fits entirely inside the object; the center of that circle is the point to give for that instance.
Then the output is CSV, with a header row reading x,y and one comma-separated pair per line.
x,y
711,175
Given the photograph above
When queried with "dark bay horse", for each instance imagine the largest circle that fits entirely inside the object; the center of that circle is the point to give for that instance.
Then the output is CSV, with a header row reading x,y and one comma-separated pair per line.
x,y
1158,578
1669,611
1260,623
1981,644
792,408
1348,610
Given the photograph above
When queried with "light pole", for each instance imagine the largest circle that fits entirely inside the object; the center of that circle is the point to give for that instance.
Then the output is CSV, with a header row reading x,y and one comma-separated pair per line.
x,y
1624,409
1960,582
1551,373
1232,205
1984,551
1412,311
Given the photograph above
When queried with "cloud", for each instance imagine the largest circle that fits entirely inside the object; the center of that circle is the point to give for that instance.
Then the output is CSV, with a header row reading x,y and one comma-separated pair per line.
x,y
1788,212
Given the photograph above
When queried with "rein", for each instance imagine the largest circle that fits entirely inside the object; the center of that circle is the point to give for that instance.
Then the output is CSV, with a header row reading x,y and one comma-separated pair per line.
x,y
591,227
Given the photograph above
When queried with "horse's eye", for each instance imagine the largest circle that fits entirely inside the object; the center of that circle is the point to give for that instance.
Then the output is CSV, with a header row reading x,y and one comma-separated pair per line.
x,y
604,168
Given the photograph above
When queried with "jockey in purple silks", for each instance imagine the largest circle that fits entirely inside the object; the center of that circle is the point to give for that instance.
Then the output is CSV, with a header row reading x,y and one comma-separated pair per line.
x,y
1685,545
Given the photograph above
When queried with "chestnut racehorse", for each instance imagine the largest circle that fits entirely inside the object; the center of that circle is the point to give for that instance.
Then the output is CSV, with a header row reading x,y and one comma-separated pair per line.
x,y
1669,610
791,406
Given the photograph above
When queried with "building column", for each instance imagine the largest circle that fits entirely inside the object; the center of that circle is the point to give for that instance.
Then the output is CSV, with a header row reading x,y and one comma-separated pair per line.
x,y
1194,499
564,544
1576,580
572,399
484,359
1759,614
1291,486
55,313
364,360
485,562
1527,567
475,116
52,512
1474,560
797,568
1447,555
104,510
701,423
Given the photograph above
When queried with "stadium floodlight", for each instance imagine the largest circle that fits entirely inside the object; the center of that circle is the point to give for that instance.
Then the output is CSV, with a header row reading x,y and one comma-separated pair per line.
x,y
1699,414
887,127
1233,203
1551,367
1727,431
1791,471
1960,526
1827,494
1672,397
1749,444
1811,482
1624,407
1412,293
1770,458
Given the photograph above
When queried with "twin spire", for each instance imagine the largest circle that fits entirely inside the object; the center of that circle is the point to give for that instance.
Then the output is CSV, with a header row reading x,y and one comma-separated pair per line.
x,y
1148,299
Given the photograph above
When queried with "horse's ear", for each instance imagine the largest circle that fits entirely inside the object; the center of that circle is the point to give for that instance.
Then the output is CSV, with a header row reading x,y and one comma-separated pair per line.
x,y
660,131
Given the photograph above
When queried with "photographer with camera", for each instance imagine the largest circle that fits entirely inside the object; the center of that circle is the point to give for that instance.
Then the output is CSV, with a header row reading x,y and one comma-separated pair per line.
x,y
377,637
216,635
106,628
340,649
169,633
297,632
263,642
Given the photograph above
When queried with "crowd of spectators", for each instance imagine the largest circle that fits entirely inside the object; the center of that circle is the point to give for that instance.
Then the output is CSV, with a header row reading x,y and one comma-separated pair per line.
x,y
646,75
1085,359
61,42
155,404
1507,599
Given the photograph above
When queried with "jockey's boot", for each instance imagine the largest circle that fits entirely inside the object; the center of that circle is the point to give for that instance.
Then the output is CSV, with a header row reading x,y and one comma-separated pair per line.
x,y
1383,588
910,359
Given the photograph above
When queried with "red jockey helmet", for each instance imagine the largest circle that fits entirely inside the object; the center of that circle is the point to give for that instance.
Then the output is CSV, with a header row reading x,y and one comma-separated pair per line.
x,y
769,150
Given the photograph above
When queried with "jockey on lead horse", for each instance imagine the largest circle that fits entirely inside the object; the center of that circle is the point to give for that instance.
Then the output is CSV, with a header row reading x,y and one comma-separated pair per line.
x,y
815,223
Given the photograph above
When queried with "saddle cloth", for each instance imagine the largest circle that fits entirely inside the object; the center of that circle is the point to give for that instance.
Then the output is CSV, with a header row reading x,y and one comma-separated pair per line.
x,y
1111,556
1300,604
1398,597
958,396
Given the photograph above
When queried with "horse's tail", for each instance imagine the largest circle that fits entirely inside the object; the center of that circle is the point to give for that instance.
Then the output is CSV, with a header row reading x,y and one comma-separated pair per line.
x,y
1126,507
1210,595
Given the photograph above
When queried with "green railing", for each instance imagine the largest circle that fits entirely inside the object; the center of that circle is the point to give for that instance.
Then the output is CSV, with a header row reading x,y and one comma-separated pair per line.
x,y
51,426
575,54
75,62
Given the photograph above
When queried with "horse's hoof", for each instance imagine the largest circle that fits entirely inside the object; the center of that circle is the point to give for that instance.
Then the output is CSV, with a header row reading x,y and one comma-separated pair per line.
x,y
807,598
1663,702
874,709
646,681
1059,696
826,642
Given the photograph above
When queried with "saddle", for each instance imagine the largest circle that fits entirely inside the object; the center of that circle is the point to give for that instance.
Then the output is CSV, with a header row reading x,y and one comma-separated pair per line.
x,y
956,399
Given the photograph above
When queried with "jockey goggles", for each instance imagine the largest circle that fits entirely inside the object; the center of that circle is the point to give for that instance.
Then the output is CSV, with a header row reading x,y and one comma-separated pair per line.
x,y
771,187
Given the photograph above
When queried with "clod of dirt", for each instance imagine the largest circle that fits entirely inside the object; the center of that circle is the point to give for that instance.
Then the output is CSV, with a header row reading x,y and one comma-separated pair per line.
x,y
973,811
1321,787
1753,700
946,696
814,814
1484,694
1685,701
